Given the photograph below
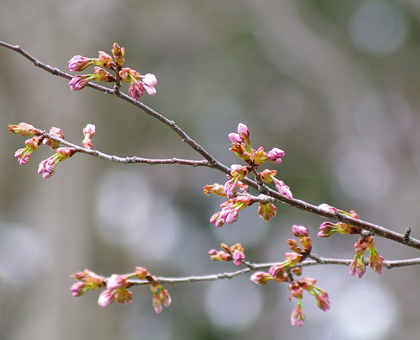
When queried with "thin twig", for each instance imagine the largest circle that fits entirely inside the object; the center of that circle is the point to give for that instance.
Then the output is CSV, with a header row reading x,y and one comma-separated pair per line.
x,y
213,163
315,260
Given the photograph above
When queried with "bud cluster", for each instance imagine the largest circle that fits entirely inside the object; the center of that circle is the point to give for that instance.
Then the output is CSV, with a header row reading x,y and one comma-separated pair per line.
x,y
285,271
358,266
117,288
236,191
104,63
376,261
47,166
235,253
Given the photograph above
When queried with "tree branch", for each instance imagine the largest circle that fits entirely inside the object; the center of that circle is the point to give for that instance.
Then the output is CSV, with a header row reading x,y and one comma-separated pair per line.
x,y
211,161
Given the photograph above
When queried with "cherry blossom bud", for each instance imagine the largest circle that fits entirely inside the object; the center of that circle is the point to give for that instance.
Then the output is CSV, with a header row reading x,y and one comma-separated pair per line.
x,y
106,298
306,243
260,157
79,63
358,266
239,171
376,261
307,283
55,132
283,188
23,156
142,274
238,254
104,60
327,229
298,316
102,75
278,271
267,175
294,246
157,303
123,296
328,208
261,278
275,155
118,53
78,289
300,231
235,138
296,291
297,271
166,298
23,129
89,130
294,258
116,282
149,82
218,255
267,211
243,132
78,82
216,189
322,300
231,188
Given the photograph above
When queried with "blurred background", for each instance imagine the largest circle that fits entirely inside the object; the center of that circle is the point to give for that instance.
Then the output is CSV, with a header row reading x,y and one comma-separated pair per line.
x,y
333,83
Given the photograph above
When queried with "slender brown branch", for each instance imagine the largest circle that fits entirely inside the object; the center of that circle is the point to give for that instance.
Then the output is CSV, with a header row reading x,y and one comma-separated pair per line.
x,y
125,160
264,266
213,163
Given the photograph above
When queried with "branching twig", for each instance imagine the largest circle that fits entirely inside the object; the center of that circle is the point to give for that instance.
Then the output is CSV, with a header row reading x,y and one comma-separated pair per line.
x,y
315,260
210,161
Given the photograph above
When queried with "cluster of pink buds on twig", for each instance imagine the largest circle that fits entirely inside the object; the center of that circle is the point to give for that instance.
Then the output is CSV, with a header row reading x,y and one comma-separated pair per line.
x,y
138,83
47,166
358,266
285,271
235,253
236,191
117,288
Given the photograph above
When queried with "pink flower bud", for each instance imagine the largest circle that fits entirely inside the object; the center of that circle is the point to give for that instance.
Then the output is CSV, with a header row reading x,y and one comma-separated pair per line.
x,y
101,75
296,291
79,63
123,296
300,231
275,155
116,282
243,132
216,189
261,278
283,188
104,60
235,138
78,82
149,82
118,53
298,316
89,130
106,298
322,300
157,303
47,168
358,266
278,271
260,157
267,211
166,298
23,128
327,229
78,289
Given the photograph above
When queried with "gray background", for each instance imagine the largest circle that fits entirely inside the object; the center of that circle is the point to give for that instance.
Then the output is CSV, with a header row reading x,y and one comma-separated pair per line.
x,y
333,83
